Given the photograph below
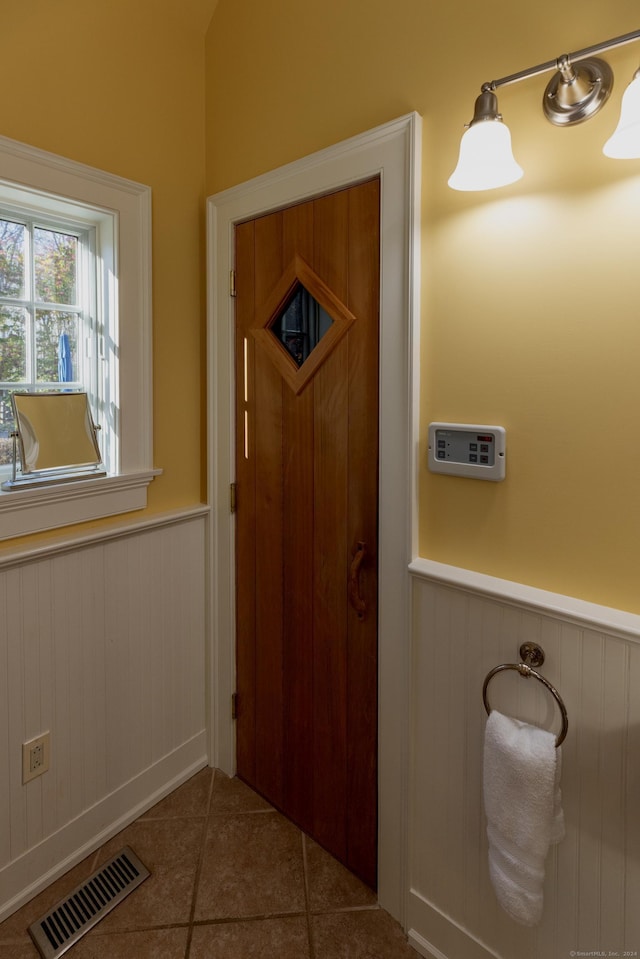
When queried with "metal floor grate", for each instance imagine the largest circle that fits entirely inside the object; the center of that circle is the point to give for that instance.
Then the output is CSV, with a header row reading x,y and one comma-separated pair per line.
x,y
60,928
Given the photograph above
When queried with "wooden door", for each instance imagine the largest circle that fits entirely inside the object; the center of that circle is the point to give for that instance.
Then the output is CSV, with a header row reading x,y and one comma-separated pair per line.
x,y
306,533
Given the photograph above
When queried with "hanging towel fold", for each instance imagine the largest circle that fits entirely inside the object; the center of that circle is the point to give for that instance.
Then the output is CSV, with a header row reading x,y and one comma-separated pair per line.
x,y
522,803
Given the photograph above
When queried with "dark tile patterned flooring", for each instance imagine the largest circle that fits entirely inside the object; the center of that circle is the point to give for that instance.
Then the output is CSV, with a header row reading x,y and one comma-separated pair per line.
x,y
231,879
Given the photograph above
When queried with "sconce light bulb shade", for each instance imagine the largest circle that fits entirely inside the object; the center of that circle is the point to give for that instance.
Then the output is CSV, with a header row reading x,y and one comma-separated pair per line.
x,y
624,143
486,159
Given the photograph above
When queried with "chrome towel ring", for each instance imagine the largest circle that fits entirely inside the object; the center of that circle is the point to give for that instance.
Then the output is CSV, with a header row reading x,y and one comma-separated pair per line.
x,y
527,672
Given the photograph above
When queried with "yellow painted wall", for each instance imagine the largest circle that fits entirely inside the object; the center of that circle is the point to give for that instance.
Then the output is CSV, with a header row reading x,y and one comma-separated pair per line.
x,y
121,86
530,304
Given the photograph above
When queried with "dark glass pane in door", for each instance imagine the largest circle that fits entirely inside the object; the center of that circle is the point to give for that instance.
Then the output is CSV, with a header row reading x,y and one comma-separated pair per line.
x,y
301,325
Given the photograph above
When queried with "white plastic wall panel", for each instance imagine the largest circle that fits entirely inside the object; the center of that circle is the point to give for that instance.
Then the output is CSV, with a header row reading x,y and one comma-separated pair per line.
x,y
104,646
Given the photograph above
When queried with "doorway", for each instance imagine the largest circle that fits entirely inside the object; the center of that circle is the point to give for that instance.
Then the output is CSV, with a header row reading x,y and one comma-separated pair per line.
x,y
307,306
392,151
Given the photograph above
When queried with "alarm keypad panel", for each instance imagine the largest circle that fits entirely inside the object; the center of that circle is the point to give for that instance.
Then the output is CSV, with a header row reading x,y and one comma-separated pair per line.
x,y
468,449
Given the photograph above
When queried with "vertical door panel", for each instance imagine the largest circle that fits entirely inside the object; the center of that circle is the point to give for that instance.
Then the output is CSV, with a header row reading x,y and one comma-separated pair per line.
x,y
330,603
362,825
269,533
298,440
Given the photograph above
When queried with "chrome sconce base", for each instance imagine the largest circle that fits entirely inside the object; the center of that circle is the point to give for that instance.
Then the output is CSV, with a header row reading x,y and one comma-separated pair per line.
x,y
574,95
580,87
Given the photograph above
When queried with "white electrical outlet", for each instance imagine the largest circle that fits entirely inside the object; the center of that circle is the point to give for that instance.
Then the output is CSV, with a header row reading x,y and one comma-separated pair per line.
x,y
35,757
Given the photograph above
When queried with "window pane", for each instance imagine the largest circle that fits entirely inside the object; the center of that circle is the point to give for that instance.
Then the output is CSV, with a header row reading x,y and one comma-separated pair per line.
x,y
12,241
301,325
56,266
6,427
13,344
56,346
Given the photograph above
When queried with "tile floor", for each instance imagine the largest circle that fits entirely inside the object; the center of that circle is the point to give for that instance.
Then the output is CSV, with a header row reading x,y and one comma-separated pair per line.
x,y
231,879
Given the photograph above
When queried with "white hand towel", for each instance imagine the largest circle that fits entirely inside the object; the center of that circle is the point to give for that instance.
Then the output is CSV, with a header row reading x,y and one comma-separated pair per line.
x,y
522,803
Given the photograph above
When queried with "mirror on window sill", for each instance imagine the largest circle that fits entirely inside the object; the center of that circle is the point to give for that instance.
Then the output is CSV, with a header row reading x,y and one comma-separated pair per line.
x,y
54,440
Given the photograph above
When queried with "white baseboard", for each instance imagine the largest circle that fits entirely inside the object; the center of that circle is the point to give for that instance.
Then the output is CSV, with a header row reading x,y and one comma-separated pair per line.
x,y
455,941
424,948
32,872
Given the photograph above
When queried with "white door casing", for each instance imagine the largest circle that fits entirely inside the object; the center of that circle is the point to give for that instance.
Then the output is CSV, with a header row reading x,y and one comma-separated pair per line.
x,y
392,151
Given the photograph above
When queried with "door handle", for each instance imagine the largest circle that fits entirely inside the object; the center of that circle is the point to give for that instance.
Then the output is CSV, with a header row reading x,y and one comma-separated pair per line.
x,y
355,598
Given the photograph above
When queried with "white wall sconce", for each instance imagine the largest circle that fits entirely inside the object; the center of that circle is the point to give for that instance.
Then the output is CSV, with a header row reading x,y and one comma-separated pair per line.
x,y
580,87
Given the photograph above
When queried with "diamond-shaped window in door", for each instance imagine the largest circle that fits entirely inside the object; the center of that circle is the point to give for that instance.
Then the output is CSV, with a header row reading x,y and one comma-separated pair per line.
x,y
300,324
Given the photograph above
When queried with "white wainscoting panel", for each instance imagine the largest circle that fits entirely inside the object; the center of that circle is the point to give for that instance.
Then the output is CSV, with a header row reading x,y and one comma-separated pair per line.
x,y
592,884
103,645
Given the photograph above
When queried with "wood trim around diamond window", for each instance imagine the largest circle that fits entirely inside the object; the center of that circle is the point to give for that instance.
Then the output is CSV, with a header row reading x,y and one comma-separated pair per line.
x,y
299,272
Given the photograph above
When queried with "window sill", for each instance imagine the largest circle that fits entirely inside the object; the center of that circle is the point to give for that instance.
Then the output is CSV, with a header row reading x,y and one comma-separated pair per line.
x,y
63,504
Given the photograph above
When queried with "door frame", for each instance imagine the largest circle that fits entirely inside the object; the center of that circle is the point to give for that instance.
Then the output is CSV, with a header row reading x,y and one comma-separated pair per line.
x,y
392,151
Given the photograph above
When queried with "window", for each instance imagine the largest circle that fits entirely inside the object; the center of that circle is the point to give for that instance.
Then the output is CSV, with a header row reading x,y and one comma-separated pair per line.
x,y
48,312
75,314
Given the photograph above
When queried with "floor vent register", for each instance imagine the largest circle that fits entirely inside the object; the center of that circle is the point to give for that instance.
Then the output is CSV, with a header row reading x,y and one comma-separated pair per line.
x,y
60,928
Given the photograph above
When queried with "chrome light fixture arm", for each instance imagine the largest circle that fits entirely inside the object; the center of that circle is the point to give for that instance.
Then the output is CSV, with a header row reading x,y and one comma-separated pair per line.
x,y
570,58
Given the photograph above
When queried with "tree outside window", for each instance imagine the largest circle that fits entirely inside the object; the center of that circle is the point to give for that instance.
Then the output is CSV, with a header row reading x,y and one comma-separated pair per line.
x,y
40,314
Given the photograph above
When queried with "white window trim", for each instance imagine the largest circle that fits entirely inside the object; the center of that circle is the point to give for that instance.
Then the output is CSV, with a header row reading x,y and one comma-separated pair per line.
x,y
129,203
